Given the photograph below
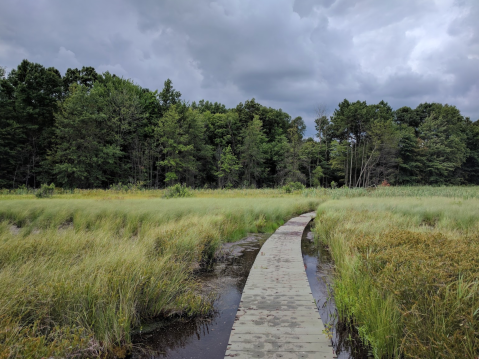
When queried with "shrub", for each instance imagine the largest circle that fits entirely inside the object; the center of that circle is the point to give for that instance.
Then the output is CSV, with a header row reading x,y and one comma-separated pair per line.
x,y
45,191
22,190
293,186
296,186
130,187
178,190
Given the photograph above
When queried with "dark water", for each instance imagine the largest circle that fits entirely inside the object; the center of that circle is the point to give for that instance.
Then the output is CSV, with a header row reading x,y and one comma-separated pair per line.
x,y
203,338
319,269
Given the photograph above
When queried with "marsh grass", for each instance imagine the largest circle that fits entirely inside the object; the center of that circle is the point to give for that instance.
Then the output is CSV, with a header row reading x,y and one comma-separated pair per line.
x,y
135,192
139,193
455,192
77,275
407,273
80,270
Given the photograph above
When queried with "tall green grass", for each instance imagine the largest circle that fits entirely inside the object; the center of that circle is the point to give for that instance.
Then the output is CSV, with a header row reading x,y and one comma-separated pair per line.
x,y
407,273
77,275
455,192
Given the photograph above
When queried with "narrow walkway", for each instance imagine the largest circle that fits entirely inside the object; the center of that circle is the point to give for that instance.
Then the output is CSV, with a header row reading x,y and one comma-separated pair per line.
x,y
277,316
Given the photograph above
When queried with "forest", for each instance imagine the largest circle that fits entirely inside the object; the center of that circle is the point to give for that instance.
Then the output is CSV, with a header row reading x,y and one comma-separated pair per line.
x,y
92,130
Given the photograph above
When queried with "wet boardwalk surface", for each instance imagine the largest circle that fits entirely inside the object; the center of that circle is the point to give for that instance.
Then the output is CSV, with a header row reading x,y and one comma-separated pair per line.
x,y
277,316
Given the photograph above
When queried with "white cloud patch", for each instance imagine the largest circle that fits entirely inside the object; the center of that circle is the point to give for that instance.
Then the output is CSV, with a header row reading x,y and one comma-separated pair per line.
x,y
116,69
66,59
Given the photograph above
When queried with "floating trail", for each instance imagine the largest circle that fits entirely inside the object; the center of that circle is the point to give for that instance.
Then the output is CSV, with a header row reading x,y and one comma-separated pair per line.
x,y
277,316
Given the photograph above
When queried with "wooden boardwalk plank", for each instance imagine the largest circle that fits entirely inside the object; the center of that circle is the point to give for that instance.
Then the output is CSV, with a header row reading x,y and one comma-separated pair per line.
x,y
277,316
277,355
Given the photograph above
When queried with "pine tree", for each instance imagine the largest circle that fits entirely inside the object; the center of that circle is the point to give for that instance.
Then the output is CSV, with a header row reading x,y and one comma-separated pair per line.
x,y
252,151
442,145
85,150
228,168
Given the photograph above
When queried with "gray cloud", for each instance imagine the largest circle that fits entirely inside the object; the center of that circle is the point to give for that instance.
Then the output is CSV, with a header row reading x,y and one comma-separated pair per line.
x,y
289,54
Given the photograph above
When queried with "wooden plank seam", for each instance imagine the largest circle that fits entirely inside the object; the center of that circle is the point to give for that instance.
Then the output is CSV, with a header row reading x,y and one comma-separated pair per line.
x,y
277,316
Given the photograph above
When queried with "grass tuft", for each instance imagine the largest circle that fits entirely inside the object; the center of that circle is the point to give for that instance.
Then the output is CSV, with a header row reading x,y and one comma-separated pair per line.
x,y
407,273
78,275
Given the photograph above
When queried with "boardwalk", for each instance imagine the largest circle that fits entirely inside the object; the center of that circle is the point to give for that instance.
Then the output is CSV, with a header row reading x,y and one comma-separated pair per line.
x,y
277,316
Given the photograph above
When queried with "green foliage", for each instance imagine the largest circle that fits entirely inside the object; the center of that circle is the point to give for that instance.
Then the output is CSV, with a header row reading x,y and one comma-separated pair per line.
x,y
179,135
45,191
178,190
312,156
294,157
22,190
296,186
409,163
28,99
213,108
168,96
318,173
85,77
253,152
293,186
91,130
85,149
470,168
228,167
129,187
442,144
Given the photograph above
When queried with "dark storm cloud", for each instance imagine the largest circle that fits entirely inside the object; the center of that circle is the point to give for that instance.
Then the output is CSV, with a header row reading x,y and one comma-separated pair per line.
x,y
290,54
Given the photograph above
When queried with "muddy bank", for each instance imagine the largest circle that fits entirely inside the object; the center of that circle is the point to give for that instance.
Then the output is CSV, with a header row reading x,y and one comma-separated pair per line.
x,y
200,338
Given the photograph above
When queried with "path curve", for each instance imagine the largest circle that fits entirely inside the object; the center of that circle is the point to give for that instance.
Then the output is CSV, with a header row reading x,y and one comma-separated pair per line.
x,y
277,316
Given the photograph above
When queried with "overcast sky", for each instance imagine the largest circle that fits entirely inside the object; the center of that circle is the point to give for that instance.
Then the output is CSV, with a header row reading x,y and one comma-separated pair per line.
x,y
289,54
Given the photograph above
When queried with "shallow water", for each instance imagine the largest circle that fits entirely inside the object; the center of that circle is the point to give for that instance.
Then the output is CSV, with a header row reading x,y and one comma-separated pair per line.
x,y
201,338
207,337
319,270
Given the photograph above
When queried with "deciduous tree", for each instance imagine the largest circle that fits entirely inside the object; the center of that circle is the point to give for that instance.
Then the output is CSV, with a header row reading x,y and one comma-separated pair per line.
x,y
252,151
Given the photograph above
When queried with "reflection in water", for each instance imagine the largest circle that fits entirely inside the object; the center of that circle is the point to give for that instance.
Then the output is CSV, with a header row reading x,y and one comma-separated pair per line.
x,y
205,337
319,269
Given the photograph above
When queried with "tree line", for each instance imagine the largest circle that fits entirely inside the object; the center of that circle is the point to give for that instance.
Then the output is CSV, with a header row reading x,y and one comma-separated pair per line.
x,y
91,130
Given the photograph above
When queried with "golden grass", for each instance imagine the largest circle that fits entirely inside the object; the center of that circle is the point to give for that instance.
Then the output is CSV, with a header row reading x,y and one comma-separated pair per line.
x,y
77,275
135,193
78,271
407,273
